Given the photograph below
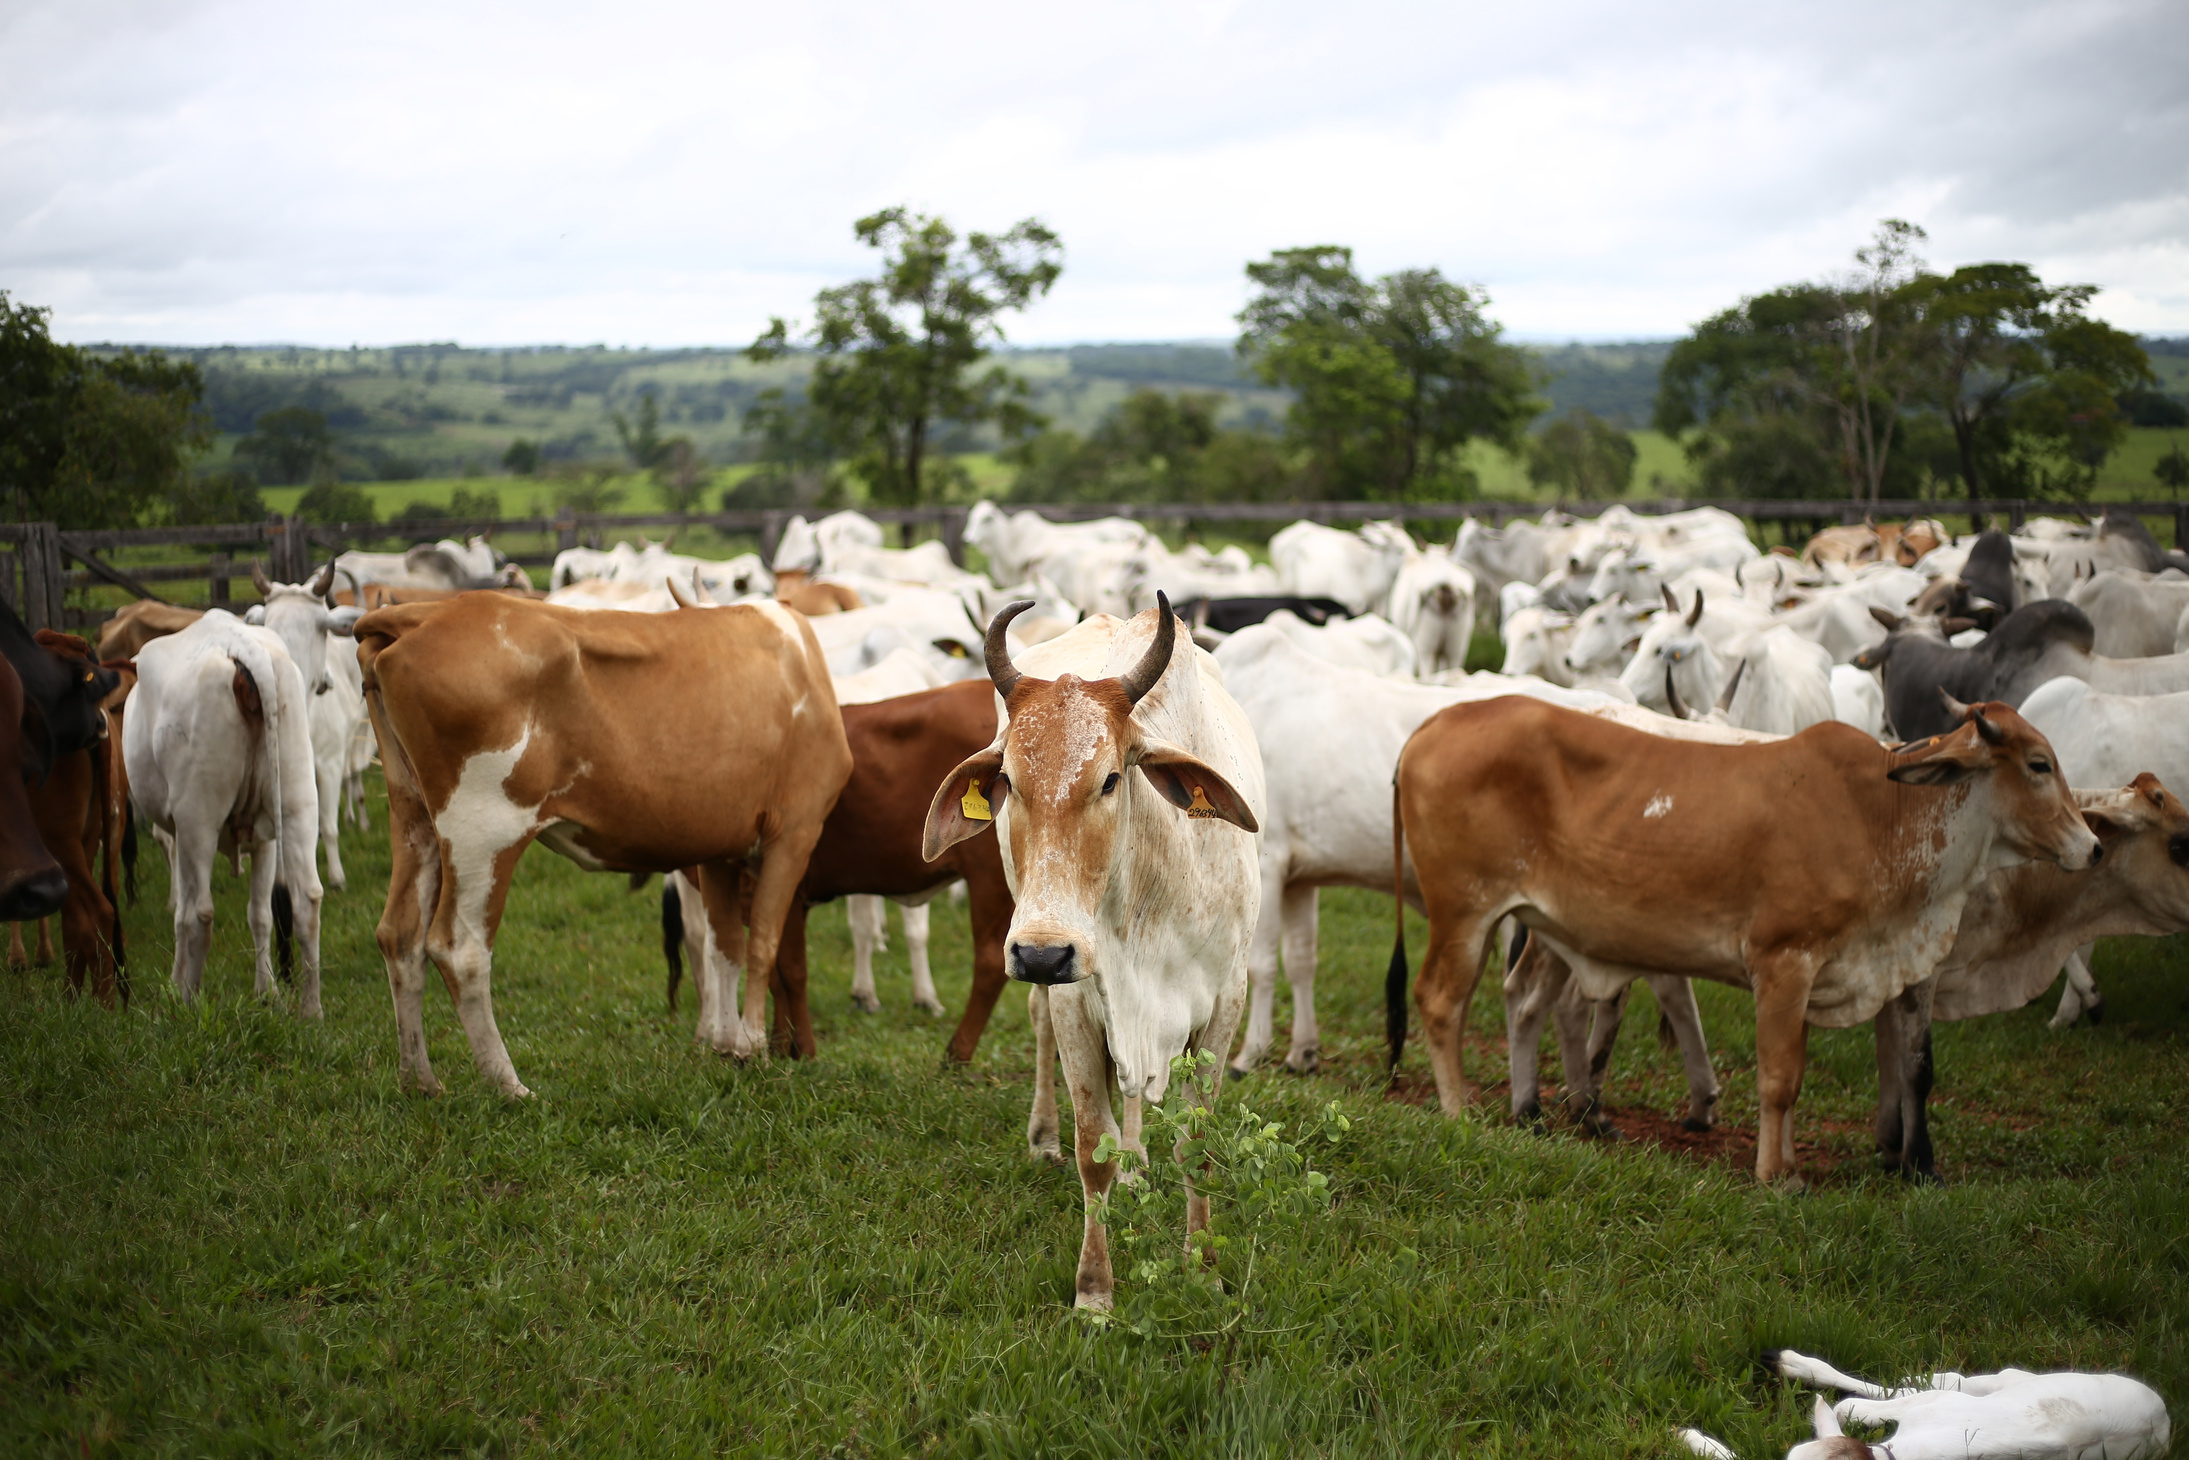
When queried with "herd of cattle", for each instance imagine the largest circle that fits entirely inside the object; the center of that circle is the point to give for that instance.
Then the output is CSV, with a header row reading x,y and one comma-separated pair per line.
x,y
1897,778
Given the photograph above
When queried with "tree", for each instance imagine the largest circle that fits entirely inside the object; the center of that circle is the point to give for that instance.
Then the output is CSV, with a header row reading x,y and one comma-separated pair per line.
x,y
681,476
289,445
897,353
1808,371
1154,446
643,442
797,450
1390,378
88,440
2172,470
336,502
1581,455
522,458
215,497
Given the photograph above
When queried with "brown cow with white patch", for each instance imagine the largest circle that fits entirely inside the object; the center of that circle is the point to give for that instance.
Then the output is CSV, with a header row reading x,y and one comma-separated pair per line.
x,y
627,742
1823,872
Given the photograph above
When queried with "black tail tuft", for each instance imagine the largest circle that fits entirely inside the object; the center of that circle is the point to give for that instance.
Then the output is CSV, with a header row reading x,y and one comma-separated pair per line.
x,y
284,933
1394,997
129,849
672,936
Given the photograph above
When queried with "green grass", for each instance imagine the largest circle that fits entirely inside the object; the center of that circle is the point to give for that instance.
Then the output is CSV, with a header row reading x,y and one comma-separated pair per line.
x,y
225,1232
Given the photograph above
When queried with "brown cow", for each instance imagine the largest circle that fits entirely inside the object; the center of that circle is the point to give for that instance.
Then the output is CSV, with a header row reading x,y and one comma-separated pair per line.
x,y
137,624
73,808
627,742
815,599
1823,872
871,842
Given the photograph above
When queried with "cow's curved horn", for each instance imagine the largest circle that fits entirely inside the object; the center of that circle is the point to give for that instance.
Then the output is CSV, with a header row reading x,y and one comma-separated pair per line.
x,y
1954,707
323,585
1695,617
1672,697
258,580
1732,686
1137,681
1000,668
1671,604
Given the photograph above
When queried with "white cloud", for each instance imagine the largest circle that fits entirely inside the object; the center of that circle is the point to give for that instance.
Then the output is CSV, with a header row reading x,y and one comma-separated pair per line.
x,y
671,172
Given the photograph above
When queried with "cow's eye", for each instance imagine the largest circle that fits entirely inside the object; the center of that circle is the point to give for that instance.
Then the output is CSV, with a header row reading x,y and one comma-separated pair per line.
x,y
2178,848
2040,767
1109,783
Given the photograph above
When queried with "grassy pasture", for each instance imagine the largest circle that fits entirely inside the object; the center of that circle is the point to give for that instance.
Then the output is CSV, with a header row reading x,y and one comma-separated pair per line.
x,y
225,1232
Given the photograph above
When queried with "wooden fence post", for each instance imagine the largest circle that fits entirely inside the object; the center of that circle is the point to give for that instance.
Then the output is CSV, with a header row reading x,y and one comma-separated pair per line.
x,y
771,537
953,533
44,584
217,580
566,532
2181,528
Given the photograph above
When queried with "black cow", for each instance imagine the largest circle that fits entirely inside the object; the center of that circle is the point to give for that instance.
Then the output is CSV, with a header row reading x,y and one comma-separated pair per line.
x,y
32,883
1229,615
2034,643
1982,593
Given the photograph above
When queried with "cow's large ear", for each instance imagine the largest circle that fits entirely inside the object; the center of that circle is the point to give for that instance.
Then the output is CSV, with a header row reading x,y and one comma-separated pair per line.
x,y
1946,760
964,805
1188,783
340,620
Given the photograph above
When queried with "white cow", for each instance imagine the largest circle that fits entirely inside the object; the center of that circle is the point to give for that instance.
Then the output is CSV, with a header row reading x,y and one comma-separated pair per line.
x,y
1366,642
1694,651
1537,640
218,747
904,672
2010,1415
310,630
1024,544
2135,614
1126,791
1858,700
1330,736
935,624
1194,572
1783,685
811,547
446,564
1356,569
1433,605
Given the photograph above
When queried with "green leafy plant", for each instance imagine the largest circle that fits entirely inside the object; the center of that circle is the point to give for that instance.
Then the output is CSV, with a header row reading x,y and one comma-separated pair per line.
x,y
1261,1191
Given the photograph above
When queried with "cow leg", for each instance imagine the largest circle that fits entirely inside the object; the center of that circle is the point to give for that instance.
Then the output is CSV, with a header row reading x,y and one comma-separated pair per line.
x,y
414,890
1262,954
790,964
869,933
1890,1077
44,956
1532,987
782,868
726,1031
1587,1029
915,942
1781,982
259,913
330,824
1910,1033
191,853
301,877
989,904
1041,1121
1300,909
1677,1011
2080,994
1215,1038
1084,1048
475,880
1458,948
17,957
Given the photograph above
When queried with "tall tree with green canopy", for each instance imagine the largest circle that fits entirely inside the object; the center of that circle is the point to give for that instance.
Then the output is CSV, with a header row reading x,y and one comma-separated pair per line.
x,y
86,440
2028,380
897,353
1390,378
1582,455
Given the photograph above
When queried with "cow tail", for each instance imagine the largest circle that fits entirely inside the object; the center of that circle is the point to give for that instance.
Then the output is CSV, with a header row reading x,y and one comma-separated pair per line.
x,y
284,933
129,849
672,936
1394,980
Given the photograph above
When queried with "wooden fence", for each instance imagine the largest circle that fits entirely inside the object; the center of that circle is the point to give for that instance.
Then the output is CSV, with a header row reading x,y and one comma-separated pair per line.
x,y
40,564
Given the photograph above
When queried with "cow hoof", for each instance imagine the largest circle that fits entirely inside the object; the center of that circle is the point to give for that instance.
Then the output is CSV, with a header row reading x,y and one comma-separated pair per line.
x,y
866,1003
1092,1302
2095,1009
1047,1153
1306,1062
516,1091
930,1006
429,1087
1602,1129
1918,1176
1698,1127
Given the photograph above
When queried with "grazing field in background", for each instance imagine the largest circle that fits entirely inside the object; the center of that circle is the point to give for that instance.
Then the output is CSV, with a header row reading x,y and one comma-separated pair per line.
x,y
226,1232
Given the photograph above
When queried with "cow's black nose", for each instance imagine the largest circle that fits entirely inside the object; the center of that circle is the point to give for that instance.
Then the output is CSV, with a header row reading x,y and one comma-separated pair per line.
x,y
2097,854
36,896
1042,963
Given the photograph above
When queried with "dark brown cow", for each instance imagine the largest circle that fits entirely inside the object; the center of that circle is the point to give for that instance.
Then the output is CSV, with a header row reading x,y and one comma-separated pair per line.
x,y
627,742
900,748
32,883
1824,872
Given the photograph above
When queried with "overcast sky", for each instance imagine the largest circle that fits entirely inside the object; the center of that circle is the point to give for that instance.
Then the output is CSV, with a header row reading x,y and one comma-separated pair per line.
x,y
666,173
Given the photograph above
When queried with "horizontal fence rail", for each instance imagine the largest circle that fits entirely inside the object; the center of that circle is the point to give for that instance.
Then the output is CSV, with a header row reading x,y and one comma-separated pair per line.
x,y
40,563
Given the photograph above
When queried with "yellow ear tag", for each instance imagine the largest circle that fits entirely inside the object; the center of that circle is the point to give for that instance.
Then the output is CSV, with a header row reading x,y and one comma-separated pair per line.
x,y
974,804
1200,807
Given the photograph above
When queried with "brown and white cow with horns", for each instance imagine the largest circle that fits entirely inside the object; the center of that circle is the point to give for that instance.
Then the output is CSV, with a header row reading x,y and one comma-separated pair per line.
x,y
1126,789
627,742
1823,872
